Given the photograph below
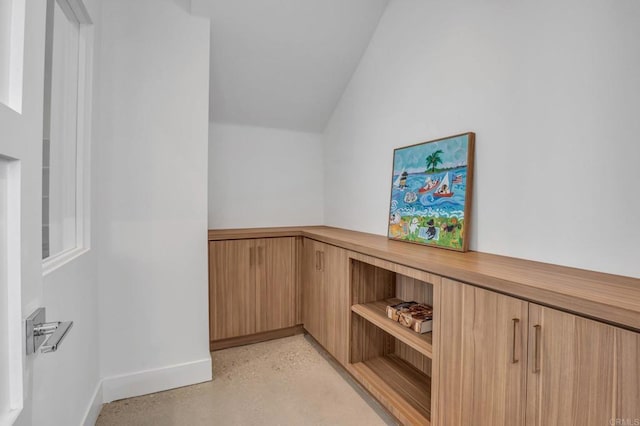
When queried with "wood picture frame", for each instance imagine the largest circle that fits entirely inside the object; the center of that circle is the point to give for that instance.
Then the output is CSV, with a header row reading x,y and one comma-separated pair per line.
x,y
431,192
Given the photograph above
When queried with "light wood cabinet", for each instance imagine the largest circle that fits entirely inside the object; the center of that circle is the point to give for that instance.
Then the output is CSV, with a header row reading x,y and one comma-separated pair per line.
x,y
335,271
494,357
482,374
252,286
325,295
275,284
232,294
504,361
313,300
581,372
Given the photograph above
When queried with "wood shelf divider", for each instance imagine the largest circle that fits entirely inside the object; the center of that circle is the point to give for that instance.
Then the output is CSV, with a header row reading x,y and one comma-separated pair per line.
x,y
376,313
404,390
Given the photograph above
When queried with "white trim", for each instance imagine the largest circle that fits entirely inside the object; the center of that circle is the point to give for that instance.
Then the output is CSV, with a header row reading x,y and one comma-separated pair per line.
x,y
50,264
14,276
15,340
16,55
83,135
156,380
9,417
76,11
95,405
80,10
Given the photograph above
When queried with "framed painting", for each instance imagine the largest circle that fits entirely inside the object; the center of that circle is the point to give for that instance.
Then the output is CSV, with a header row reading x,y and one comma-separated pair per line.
x,y
431,192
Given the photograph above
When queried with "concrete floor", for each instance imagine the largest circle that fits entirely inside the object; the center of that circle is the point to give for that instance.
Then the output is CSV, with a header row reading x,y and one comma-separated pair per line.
x,y
281,382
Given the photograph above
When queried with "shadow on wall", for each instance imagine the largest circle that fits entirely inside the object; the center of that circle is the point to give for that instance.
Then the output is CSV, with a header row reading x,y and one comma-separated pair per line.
x,y
184,5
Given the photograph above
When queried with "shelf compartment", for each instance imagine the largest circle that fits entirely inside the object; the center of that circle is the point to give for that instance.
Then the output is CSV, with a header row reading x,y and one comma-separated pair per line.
x,y
403,389
376,313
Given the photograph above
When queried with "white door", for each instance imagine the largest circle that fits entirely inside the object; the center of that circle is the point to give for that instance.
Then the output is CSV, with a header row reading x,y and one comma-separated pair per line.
x,y
22,82
21,59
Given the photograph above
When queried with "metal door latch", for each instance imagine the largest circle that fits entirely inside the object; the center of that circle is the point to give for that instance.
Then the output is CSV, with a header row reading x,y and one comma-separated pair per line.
x,y
37,331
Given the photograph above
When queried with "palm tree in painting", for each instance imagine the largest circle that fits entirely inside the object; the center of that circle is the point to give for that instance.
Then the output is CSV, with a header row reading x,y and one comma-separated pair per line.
x,y
433,160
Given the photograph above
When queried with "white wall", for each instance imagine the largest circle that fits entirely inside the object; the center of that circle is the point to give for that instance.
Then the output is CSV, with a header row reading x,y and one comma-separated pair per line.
x,y
264,177
151,197
551,90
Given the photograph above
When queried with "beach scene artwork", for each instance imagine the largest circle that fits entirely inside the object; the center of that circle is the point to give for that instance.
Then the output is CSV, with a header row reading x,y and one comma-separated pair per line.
x,y
431,192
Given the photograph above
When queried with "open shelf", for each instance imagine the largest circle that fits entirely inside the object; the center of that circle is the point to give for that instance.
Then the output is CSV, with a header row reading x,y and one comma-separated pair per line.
x,y
403,389
376,313
393,362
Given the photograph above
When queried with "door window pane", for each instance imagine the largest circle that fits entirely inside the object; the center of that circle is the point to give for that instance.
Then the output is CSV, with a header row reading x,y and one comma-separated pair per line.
x,y
60,156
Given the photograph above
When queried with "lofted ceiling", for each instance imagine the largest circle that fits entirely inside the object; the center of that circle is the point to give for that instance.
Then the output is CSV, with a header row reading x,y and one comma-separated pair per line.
x,y
284,63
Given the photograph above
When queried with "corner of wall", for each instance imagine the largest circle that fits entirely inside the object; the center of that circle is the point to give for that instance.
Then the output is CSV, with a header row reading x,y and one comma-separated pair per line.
x,y
93,410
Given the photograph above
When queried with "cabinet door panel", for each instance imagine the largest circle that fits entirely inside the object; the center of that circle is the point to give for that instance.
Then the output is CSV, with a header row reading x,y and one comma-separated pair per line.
x,y
231,289
312,293
581,372
275,284
482,357
627,402
337,309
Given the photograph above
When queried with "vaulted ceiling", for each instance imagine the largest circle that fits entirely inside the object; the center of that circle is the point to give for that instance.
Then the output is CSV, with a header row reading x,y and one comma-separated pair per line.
x,y
284,63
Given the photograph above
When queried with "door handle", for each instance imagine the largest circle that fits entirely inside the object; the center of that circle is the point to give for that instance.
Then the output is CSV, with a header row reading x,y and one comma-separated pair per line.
x,y
58,331
516,322
37,331
251,256
317,260
536,348
260,255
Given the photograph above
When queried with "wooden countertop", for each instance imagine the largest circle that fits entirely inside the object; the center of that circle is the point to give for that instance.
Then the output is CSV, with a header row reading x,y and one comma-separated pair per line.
x,y
611,298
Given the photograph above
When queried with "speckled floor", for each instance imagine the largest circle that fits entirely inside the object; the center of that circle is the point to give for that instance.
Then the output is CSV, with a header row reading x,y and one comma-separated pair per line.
x,y
281,382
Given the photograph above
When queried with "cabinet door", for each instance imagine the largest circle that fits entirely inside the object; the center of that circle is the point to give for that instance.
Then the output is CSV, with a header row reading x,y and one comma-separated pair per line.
x,y
232,289
482,357
337,309
275,284
581,372
312,292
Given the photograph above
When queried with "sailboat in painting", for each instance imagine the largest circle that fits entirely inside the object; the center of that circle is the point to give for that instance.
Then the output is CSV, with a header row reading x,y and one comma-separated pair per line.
x,y
444,189
401,181
429,185
396,183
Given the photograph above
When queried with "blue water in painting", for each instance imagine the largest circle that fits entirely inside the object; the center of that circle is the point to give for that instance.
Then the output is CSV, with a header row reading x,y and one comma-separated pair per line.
x,y
426,204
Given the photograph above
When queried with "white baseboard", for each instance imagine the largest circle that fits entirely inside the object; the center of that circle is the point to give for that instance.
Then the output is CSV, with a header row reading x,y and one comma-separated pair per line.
x,y
93,410
160,379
